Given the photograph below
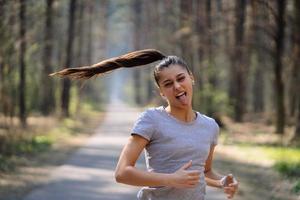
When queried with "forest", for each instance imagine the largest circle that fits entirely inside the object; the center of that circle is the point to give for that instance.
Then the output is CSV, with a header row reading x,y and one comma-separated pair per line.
x,y
244,55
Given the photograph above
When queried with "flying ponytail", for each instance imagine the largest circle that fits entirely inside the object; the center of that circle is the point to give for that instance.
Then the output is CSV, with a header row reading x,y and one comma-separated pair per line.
x,y
128,60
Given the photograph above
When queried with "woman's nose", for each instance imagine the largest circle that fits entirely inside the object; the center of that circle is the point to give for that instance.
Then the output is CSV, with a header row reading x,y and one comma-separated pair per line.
x,y
176,85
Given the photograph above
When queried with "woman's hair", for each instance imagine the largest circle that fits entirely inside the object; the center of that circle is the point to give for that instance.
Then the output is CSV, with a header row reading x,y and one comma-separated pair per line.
x,y
132,59
166,62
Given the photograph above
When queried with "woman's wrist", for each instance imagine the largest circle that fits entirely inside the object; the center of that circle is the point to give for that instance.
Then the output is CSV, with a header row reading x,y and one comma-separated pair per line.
x,y
166,179
222,182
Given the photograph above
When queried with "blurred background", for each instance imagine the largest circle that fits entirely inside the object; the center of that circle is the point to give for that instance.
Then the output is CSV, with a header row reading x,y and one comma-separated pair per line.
x,y
244,55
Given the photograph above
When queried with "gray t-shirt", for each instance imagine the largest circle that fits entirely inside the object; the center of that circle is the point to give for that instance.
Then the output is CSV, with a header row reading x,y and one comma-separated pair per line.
x,y
172,143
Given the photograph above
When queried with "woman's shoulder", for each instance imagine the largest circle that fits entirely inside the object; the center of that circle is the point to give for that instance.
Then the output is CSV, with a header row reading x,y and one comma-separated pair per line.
x,y
151,111
205,118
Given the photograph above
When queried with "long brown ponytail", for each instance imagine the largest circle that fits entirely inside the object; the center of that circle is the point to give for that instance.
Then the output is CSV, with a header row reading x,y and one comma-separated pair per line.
x,y
128,60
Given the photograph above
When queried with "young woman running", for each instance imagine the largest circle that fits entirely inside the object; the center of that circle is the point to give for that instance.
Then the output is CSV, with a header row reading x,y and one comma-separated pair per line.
x,y
179,142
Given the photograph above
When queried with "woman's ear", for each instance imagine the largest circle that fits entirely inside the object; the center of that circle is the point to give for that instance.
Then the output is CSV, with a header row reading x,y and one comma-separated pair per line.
x,y
193,79
162,95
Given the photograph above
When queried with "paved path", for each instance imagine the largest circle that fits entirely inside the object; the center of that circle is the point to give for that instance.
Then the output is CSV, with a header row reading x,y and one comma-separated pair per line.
x,y
88,174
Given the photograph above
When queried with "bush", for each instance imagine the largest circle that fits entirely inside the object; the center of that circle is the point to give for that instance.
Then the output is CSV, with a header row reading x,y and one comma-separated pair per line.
x,y
288,169
5,164
291,170
296,188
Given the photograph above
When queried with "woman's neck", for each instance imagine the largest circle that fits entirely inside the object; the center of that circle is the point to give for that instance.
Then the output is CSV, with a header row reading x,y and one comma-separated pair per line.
x,y
183,114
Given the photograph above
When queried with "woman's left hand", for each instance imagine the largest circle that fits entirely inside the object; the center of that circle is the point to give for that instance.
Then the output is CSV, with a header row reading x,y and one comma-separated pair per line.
x,y
231,187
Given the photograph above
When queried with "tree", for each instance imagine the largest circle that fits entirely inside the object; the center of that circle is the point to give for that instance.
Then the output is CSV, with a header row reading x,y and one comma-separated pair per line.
x,y
185,31
279,86
22,72
294,85
48,100
238,84
296,63
89,52
200,31
65,97
258,89
2,36
137,45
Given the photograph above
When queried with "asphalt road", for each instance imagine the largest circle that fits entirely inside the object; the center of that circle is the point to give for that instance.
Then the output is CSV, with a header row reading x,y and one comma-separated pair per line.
x,y
89,173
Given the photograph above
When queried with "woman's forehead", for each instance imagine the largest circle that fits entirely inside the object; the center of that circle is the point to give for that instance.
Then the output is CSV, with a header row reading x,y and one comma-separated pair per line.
x,y
172,70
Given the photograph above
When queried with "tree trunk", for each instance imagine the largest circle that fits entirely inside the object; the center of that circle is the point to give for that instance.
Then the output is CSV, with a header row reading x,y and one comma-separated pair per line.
x,y
22,82
89,52
237,85
137,46
297,130
212,77
2,26
152,15
296,64
294,84
258,89
65,97
80,27
9,88
279,87
184,40
48,100
200,31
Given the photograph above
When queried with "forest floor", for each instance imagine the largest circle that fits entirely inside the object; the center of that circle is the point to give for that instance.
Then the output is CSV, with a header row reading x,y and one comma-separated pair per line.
x,y
249,150
32,169
241,151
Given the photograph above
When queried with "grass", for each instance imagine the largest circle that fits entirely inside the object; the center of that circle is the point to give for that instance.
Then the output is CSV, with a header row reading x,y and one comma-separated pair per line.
x,y
288,169
19,144
286,160
17,149
296,188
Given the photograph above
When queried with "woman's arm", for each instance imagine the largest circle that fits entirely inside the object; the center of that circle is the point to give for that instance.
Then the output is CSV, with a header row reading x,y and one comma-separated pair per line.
x,y
214,179
127,173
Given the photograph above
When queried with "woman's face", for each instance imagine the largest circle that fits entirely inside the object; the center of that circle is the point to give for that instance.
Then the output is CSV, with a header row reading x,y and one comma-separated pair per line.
x,y
176,85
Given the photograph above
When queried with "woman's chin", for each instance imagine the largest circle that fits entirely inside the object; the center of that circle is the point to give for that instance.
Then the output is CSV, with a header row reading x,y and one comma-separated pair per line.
x,y
183,105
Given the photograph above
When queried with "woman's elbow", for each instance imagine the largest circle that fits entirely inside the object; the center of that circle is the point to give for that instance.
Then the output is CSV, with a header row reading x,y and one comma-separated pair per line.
x,y
118,176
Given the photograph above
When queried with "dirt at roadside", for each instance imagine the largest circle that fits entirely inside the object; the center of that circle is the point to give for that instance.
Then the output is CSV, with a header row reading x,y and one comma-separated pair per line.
x,y
258,180
35,170
35,173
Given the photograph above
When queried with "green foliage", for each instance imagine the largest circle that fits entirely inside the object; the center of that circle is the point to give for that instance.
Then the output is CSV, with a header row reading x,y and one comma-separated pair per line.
x,y
288,169
296,188
90,106
75,100
35,144
212,100
25,146
286,159
6,164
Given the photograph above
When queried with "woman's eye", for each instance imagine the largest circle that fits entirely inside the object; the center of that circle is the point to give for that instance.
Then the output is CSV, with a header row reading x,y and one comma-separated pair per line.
x,y
181,78
168,84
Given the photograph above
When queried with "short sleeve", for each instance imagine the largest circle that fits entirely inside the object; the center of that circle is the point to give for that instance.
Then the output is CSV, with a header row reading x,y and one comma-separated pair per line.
x,y
144,126
216,133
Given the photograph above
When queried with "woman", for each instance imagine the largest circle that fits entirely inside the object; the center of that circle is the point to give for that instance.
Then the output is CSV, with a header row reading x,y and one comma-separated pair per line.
x,y
179,142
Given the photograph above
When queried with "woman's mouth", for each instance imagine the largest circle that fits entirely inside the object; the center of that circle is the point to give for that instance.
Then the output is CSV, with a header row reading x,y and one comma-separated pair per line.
x,y
180,95
182,98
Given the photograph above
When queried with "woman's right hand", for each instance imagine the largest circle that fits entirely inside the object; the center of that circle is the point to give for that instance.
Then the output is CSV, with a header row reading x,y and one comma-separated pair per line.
x,y
184,178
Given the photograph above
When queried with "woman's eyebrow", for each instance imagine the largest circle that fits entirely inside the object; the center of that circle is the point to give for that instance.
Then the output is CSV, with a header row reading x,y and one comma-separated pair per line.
x,y
167,80
180,74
